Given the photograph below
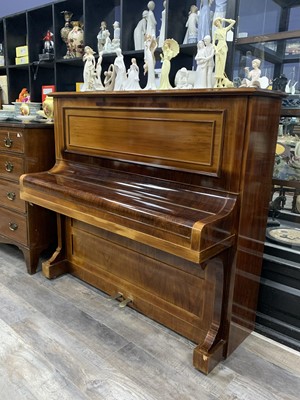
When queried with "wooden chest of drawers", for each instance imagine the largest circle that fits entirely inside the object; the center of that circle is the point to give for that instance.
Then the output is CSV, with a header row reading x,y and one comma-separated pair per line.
x,y
25,148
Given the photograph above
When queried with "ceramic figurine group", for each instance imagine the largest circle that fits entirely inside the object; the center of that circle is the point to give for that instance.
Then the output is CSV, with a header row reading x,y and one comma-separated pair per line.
x,y
105,44
200,22
210,35
209,55
117,78
147,27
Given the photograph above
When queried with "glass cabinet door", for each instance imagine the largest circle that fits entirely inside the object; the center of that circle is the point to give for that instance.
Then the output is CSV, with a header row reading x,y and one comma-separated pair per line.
x,y
269,30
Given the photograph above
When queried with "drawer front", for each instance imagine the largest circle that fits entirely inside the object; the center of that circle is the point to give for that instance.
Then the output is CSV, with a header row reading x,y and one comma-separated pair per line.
x,y
12,140
13,226
11,166
10,196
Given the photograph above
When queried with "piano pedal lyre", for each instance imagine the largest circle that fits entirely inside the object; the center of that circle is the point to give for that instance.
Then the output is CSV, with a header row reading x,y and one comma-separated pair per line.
x,y
124,303
115,296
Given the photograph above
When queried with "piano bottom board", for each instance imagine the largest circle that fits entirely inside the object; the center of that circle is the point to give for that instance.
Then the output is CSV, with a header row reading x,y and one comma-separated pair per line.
x,y
183,296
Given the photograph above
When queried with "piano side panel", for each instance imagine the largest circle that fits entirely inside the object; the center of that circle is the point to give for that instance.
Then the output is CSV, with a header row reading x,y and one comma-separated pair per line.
x,y
255,188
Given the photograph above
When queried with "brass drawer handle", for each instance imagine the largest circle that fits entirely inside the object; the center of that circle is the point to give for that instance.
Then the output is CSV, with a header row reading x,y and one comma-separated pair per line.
x,y
13,226
9,166
11,196
8,142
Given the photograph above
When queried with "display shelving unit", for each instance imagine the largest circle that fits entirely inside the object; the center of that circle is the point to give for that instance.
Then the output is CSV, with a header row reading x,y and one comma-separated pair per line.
x,y
29,27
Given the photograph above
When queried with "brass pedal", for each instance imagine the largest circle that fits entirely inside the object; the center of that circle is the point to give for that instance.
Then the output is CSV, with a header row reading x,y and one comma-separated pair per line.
x,y
115,296
124,303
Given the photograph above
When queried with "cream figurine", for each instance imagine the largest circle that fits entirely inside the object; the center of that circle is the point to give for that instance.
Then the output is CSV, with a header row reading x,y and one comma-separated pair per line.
x,y
221,50
170,50
149,61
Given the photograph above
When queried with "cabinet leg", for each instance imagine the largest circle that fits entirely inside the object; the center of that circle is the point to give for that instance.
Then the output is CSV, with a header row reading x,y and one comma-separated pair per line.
x,y
31,259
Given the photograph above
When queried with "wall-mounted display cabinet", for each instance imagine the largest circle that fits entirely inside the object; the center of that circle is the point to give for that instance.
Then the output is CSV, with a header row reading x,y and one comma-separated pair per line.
x,y
274,38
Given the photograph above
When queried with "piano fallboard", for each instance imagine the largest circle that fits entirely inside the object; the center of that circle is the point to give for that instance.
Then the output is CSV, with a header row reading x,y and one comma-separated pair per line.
x,y
190,222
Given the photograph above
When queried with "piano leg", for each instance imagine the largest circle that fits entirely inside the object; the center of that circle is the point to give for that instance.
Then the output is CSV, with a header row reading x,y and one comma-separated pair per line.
x,y
212,350
57,265
206,361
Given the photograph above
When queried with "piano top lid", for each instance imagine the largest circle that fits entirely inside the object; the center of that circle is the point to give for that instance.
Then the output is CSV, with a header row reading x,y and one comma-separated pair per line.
x,y
175,93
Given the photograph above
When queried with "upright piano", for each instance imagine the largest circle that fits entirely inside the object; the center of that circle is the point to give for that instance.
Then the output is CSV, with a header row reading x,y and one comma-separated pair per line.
x,y
162,200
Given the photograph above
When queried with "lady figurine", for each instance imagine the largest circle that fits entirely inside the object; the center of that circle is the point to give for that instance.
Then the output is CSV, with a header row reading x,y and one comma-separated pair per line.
x,y
133,78
120,71
151,21
221,50
170,50
204,21
89,72
140,31
149,59
101,37
201,71
252,77
116,39
162,27
107,45
220,12
192,26
98,81
210,64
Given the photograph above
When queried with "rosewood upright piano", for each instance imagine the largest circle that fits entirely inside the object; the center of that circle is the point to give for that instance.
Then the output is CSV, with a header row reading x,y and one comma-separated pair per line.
x,y
161,200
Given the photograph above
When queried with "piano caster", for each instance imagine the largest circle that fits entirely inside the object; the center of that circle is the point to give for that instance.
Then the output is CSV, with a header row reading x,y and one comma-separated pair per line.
x,y
124,303
115,296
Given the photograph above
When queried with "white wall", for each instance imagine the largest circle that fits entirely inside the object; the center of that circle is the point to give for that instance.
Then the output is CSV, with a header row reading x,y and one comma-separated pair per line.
x,y
14,6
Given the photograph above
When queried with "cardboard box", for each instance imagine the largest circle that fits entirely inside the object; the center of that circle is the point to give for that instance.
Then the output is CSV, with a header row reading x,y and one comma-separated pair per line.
x,y
46,89
21,51
79,86
22,60
4,91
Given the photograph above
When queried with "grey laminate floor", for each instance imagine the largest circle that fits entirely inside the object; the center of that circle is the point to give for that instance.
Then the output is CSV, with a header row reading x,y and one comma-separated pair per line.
x,y
62,339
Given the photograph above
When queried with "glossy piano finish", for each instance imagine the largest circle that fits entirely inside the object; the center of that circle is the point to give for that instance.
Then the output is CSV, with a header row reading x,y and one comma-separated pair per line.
x,y
186,221
162,197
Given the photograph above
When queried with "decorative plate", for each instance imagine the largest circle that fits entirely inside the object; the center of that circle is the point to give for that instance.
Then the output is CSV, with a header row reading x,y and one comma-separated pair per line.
x,y
289,236
25,118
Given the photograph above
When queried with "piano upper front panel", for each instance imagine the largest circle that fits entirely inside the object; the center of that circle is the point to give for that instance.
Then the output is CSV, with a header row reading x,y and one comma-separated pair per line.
x,y
178,138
